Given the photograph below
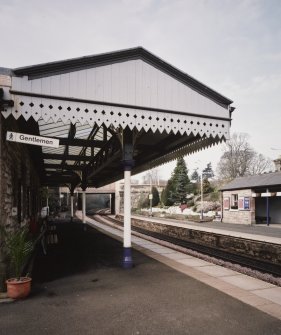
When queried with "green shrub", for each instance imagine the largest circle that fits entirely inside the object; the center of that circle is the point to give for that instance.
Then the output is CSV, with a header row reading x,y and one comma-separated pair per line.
x,y
19,248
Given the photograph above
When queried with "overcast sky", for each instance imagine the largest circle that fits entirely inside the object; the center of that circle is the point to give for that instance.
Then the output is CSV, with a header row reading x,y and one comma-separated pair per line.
x,y
232,46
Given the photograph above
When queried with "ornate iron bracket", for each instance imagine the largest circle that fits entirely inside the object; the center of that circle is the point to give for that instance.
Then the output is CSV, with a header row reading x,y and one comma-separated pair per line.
x,y
4,103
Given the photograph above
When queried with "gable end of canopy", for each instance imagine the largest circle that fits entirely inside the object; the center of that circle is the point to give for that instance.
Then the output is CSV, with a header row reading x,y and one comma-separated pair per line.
x,y
128,93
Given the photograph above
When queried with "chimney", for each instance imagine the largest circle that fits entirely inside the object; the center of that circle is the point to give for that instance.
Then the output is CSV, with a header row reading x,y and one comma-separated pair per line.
x,y
277,163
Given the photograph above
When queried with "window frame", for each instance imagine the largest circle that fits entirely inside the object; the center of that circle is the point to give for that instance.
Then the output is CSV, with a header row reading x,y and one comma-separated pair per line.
x,y
234,201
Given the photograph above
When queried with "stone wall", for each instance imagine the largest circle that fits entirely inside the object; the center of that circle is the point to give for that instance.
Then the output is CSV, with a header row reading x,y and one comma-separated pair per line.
x,y
138,192
19,186
240,216
19,181
267,252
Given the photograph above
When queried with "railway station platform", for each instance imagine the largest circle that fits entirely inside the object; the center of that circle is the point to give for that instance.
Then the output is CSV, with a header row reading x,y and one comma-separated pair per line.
x,y
258,232
252,291
80,288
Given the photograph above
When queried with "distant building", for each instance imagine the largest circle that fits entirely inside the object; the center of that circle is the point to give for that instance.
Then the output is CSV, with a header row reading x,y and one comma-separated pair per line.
x,y
116,192
253,199
139,191
96,198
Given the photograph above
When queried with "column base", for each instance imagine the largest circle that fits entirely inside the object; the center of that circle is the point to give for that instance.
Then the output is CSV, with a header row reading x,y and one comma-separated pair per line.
x,y
127,262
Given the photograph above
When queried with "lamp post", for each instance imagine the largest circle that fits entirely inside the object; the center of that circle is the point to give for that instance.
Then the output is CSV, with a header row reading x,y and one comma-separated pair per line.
x,y
201,189
150,195
201,218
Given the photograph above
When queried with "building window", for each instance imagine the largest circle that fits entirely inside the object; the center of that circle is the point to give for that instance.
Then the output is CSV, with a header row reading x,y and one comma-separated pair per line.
x,y
234,201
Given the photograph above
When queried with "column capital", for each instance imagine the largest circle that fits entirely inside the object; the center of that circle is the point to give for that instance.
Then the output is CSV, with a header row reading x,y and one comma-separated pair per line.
x,y
84,187
128,164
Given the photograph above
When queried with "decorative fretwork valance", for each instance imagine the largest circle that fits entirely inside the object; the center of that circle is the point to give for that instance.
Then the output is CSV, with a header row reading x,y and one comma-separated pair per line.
x,y
138,118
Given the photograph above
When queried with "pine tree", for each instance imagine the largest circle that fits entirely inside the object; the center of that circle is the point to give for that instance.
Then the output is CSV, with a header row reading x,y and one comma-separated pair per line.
x,y
208,171
207,188
155,196
166,193
180,182
195,176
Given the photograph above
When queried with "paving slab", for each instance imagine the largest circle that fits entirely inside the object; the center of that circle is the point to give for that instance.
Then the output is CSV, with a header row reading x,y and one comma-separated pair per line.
x,y
246,282
273,294
218,271
162,251
194,262
178,256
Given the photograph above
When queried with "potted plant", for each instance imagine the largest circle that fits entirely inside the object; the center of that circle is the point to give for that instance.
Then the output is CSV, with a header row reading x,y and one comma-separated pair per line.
x,y
19,248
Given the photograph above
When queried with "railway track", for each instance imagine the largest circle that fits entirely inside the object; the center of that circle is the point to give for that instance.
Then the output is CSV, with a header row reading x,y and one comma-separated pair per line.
x,y
254,264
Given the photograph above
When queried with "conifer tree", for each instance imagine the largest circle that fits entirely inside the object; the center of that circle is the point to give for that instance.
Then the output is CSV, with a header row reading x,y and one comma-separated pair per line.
x,y
155,196
181,181
166,193
208,171
207,188
177,186
195,176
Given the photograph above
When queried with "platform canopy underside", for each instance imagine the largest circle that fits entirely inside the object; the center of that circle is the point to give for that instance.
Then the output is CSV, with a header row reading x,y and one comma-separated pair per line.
x,y
88,109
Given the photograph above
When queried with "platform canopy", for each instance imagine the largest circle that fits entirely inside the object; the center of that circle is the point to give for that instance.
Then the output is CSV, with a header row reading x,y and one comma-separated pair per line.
x,y
88,102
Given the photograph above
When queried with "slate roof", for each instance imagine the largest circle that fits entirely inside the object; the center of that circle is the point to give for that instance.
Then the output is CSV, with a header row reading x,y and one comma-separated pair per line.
x,y
261,180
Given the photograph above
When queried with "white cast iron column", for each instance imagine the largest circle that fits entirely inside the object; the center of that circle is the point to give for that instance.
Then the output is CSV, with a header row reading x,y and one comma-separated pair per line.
x,y
71,206
84,206
127,250
128,163
127,208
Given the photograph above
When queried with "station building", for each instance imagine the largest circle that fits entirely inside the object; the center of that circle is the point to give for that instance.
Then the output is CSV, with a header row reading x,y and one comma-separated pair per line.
x,y
253,199
90,121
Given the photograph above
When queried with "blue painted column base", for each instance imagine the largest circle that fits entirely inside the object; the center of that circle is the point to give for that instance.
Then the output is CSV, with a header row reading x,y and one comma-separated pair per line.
x,y
127,258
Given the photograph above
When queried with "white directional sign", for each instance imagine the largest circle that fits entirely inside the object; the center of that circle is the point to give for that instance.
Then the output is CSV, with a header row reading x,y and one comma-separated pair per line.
x,y
32,139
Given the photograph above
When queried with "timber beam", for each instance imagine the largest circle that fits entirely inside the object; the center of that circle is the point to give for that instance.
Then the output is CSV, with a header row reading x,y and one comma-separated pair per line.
x,y
78,142
68,157
65,167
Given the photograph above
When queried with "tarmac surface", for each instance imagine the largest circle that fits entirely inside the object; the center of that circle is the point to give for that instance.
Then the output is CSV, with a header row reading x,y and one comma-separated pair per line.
x,y
79,287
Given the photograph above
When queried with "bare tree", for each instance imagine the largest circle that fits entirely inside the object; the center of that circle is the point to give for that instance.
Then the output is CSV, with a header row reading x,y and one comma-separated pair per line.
x,y
151,176
240,159
260,164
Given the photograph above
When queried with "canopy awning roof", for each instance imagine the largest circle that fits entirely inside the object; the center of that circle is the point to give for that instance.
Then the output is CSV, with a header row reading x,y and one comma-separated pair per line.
x,y
87,102
265,180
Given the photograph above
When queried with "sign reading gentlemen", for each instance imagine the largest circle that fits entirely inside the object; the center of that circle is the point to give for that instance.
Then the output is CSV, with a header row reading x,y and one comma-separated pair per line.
x,y
32,139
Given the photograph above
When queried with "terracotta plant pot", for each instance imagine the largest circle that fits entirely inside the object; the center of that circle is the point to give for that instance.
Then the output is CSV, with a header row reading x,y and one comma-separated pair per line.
x,y
18,289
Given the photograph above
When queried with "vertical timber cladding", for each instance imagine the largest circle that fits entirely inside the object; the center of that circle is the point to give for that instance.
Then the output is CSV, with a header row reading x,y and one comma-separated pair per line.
x,y
19,181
